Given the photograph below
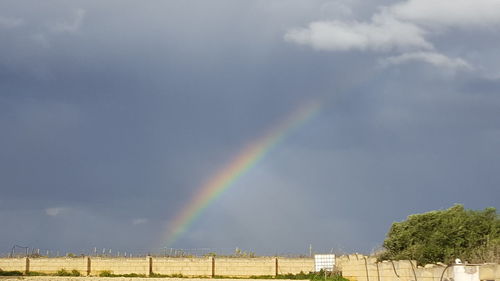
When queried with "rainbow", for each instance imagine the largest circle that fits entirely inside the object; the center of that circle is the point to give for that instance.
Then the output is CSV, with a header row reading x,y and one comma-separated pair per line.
x,y
240,165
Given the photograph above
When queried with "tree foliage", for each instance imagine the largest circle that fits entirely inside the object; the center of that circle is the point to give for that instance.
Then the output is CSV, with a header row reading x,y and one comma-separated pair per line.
x,y
443,235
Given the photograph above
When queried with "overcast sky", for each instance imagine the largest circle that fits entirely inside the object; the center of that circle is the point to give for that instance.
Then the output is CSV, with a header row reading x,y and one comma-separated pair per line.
x,y
114,113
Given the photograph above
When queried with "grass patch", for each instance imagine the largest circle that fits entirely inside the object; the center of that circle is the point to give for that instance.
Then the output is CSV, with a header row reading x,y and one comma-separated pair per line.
x,y
157,275
64,272
133,275
313,276
175,275
36,273
108,273
10,273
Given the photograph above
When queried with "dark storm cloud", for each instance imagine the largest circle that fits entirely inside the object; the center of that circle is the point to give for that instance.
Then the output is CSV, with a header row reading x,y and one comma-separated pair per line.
x,y
113,114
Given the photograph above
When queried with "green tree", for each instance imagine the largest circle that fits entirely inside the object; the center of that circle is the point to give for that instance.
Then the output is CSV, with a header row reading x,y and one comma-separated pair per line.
x,y
443,235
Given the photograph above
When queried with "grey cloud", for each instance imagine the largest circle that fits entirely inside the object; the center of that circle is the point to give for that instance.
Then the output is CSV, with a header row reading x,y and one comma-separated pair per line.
x,y
124,119
401,26
381,35
73,25
54,211
435,59
482,86
8,22
464,14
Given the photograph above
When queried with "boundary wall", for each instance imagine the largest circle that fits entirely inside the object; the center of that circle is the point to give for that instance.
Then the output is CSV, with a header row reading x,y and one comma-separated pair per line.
x,y
365,268
14,264
52,265
192,267
184,266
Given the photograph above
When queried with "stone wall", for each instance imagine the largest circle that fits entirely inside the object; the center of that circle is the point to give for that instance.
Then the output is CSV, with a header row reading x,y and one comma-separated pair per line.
x,y
120,265
184,266
489,272
295,265
353,267
364,268
245,266
192,267
58,278
52,265
13,264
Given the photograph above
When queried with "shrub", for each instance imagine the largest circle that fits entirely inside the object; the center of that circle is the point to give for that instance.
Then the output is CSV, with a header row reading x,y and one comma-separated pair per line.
x,y
313,276
63,272
10,273
106,273
36,273
157,275
133,275
442,236
261,277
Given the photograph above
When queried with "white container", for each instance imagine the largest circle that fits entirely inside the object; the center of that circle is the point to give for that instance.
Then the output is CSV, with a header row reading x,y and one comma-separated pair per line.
x,y
325,262
465,273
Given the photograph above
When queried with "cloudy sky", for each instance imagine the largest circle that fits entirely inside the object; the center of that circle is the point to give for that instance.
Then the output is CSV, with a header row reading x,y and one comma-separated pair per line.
x,y
114,113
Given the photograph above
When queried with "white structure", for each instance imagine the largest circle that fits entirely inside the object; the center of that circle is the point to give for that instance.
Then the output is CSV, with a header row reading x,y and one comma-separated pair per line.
x,y
325,262
465,273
